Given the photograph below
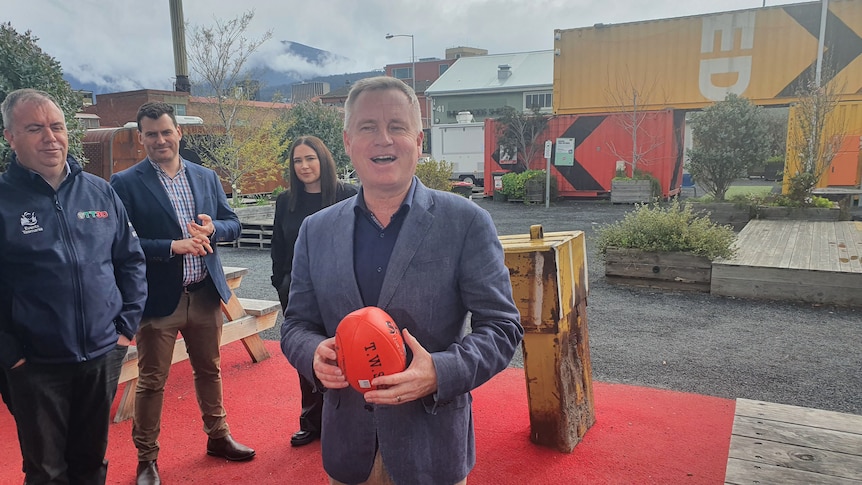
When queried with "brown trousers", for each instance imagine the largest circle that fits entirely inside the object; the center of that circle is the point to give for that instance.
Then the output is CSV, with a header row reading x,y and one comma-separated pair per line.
x,y
198,317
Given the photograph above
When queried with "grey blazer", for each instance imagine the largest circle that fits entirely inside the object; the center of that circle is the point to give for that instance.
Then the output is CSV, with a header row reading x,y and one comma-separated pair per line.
x,y
447,262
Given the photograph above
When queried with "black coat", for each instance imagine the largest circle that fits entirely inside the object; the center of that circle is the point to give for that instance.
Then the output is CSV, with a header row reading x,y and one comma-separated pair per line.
x,y
286,229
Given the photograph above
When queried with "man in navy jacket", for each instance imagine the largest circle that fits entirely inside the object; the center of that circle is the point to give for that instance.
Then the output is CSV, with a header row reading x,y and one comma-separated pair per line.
x,y
72,290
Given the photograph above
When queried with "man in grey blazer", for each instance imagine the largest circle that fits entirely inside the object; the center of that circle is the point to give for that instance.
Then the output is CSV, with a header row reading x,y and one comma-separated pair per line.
x,y
429,259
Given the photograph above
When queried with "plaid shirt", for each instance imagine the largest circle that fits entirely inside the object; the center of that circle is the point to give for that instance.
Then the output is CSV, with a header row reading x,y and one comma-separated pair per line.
x,y
180,194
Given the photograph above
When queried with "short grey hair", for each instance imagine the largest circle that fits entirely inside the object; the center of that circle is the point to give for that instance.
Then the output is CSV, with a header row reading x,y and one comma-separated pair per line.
x,y
382,83
19,96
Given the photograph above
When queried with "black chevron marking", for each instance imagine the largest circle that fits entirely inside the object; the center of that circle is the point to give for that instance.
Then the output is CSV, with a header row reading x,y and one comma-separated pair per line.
x,y
577,175
841,43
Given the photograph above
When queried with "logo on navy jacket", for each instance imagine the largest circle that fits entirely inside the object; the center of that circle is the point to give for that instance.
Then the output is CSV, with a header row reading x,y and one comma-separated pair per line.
x,y
29,224
93,215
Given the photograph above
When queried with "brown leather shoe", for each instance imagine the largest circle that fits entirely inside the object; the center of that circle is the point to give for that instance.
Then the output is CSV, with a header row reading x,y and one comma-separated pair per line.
x,y
229,449
148,473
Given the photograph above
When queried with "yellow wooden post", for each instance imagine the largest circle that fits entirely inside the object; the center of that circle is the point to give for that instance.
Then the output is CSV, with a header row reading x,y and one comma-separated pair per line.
x,y
549,284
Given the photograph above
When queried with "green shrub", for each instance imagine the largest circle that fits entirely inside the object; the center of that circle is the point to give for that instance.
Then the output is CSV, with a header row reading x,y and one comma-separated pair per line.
x,y
821,202
515,184
787,200
276,192
435,175
674,227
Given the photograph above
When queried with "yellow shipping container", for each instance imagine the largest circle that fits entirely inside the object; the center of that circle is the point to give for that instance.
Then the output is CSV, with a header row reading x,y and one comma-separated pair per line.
x,y
686,63
843,134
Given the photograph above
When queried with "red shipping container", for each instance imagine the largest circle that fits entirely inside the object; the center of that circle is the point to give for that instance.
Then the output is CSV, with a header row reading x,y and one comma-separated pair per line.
x,y
600,141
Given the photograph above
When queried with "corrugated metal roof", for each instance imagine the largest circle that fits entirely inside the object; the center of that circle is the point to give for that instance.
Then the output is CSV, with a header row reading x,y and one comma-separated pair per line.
x,y
529,70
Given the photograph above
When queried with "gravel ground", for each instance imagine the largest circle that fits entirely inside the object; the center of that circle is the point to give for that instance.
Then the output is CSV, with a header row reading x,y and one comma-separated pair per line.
x,y
780,352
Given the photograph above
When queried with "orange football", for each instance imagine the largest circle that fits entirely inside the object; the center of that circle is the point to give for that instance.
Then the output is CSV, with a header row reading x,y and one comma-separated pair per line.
x,y
369,344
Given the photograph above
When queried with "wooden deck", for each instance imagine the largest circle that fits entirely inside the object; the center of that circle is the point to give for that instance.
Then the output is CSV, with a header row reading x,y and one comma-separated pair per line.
x,y
810,261
780,444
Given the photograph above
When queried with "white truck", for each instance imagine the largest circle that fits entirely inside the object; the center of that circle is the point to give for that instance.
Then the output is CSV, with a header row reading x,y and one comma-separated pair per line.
x,y
462,145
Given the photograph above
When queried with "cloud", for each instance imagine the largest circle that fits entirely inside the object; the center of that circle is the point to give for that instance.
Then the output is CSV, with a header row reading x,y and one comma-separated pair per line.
x,y
128,44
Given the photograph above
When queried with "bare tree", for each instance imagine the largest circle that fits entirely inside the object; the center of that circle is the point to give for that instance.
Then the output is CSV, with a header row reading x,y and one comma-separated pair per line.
x,y
517,134
816,131
627,96
218,56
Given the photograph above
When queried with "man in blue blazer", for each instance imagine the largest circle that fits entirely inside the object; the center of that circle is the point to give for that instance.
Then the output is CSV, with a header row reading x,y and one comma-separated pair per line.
x,y
432,260
179,211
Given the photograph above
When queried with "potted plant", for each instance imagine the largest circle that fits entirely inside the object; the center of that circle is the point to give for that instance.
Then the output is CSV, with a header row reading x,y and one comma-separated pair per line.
x,y
639,188
668,246
793,207
527,186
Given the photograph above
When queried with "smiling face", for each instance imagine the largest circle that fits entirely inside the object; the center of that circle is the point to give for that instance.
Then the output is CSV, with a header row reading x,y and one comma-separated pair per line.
x,y
39,138
383,141
306,164
161,139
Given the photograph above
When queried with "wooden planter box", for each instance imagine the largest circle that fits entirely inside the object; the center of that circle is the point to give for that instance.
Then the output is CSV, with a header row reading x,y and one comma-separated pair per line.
x,y
255,213
630,191
725,213
798,213
534,191
674,271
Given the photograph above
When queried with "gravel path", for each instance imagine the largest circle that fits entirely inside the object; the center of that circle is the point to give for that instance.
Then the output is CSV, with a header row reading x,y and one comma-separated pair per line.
x,y
788,353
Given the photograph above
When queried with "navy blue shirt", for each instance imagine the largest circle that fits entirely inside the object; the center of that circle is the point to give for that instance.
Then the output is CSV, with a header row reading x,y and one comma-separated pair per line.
x,y
373,245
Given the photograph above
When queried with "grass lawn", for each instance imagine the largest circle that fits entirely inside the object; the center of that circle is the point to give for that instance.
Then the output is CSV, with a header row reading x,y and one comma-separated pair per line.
x,y
742,189
747,190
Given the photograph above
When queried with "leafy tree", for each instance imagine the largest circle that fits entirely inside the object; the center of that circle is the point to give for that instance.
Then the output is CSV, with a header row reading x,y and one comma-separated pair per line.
x,y
258,148
435,174
518,133
24,65
775,120
218,56
729,138
322,121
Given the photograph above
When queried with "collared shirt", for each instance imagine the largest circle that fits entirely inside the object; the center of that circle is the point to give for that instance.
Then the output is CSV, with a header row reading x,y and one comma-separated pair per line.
x,y
373,245
180,194
66,173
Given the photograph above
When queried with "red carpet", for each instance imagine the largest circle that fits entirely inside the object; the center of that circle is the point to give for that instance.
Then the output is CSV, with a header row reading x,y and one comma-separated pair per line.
x,y
641,435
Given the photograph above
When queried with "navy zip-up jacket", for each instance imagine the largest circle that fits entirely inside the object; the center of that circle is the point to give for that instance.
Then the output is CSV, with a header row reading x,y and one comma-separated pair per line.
x,y
72,272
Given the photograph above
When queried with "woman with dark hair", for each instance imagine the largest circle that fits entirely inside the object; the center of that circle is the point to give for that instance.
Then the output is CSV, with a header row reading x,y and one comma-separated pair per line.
x,y
313,186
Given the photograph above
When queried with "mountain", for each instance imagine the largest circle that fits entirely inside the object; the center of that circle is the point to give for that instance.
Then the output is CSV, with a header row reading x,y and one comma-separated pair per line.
x,y
315,65
293,62
335,81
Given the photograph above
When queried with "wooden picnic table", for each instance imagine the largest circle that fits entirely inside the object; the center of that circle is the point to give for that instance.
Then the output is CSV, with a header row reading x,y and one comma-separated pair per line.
x,y
245,319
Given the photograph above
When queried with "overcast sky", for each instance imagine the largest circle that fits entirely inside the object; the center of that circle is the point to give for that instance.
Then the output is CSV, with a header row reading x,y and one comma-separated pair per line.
x,y
126,45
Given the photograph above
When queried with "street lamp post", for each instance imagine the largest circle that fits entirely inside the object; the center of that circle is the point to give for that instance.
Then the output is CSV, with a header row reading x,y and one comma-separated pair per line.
x,y
412,56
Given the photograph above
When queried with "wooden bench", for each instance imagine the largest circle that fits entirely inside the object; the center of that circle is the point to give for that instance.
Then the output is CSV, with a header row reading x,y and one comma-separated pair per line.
x,y
246,318
256,234
777,443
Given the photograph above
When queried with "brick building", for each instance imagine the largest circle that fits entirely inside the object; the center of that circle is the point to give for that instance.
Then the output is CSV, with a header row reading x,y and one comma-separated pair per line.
x,y
117,109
